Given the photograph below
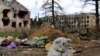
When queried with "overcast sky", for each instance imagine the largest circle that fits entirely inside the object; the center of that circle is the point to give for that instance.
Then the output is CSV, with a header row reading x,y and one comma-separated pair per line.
x,y
70,6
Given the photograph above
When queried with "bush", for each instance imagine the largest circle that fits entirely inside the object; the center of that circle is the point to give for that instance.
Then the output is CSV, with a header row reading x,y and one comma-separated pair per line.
x,y
14,34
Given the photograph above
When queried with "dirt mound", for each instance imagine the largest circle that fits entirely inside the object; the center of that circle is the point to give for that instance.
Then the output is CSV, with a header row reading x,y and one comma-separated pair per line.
x,y
75,40
47,31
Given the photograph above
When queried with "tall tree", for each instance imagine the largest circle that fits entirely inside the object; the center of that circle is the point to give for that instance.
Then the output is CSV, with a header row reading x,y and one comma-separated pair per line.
x,y
49,6
53,11
97,16
96,13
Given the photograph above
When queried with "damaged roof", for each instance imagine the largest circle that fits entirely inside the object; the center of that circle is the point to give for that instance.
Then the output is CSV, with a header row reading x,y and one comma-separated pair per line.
x,y
15,5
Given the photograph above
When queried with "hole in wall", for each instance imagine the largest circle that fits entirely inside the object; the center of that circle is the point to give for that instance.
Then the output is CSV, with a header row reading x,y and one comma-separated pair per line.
x,y
5,12
14,24
25,23
20,24
21,14
5,21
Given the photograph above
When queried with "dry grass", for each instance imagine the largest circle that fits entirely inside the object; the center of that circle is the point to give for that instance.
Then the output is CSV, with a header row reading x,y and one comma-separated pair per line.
x,y
47,31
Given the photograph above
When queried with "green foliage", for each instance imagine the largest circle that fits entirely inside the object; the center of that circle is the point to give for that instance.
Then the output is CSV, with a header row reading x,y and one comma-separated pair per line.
x,y
14,34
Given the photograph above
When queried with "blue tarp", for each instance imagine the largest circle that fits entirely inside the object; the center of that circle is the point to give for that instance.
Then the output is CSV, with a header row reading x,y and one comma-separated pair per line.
x,y
12,45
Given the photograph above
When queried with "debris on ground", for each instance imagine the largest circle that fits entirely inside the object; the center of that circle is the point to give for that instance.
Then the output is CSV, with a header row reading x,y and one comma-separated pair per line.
x,y
47,31
48,46
76,42
38,38
12,45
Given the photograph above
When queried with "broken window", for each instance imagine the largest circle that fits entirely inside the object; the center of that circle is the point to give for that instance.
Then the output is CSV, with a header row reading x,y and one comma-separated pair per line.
x,y
20,24
15,15
5,12
25,23
5,21
5,18
14,24
21,14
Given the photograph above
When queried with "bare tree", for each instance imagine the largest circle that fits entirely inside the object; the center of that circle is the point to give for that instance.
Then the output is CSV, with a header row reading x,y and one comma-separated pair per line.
x,y
49,7
96,13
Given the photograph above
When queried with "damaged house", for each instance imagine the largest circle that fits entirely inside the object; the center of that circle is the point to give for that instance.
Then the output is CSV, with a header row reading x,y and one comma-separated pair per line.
x,y
13,15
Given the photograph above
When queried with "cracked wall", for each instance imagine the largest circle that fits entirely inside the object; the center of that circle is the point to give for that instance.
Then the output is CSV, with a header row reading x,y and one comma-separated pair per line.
x,y
15,16
18,20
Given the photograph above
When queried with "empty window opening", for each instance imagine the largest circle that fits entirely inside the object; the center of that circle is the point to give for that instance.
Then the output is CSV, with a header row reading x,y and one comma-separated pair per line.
x,y
5,21
21,14
20,24
85,26
87,21
82,17
25,23
87,16
5,12
14,24
15,15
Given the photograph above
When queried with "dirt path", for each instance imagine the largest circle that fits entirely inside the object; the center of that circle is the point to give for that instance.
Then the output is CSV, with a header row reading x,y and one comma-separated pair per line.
x,y
94,51
90,52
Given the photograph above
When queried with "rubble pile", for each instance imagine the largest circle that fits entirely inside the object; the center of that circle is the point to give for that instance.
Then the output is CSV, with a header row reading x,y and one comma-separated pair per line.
x,y
75,40
47,31
37,40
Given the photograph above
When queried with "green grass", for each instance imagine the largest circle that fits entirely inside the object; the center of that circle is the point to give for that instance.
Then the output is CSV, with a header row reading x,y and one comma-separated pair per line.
x,y
14,34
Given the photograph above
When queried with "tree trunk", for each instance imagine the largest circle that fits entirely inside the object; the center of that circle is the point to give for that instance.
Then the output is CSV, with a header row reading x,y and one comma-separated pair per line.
x,y
53,12
97,17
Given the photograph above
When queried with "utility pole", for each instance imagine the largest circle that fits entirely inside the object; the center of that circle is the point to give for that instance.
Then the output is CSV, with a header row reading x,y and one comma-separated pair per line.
x,y
97,17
